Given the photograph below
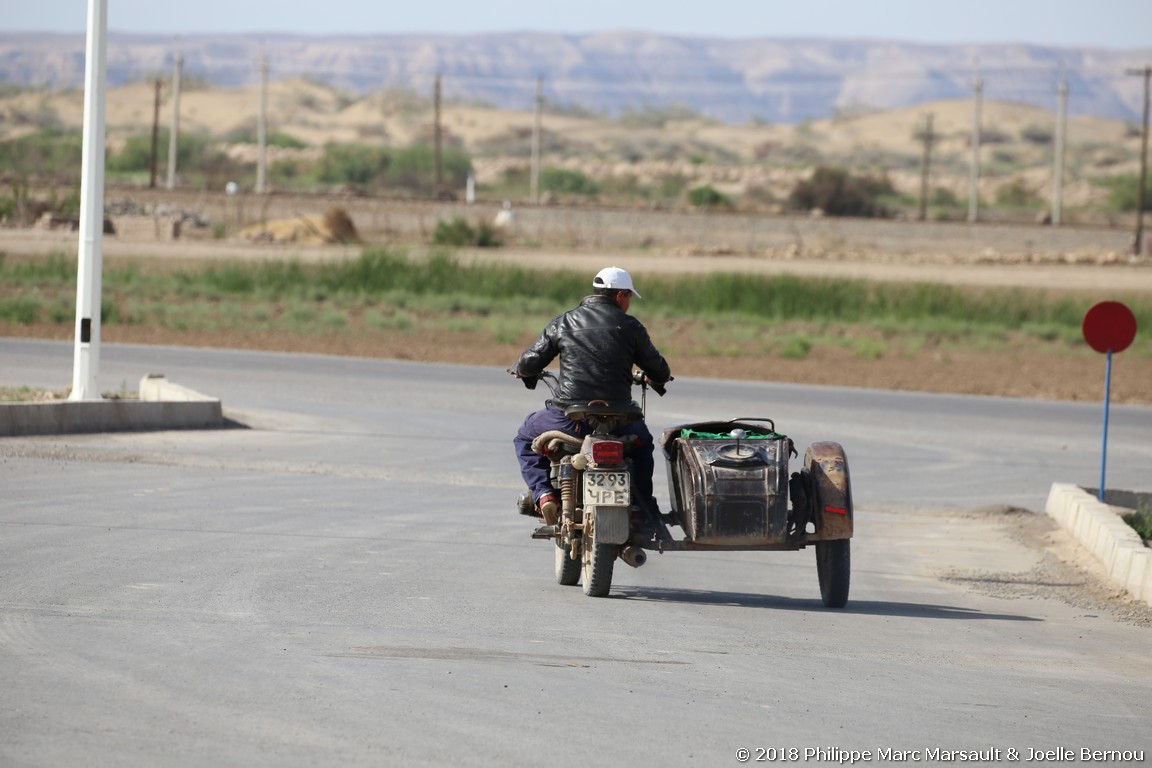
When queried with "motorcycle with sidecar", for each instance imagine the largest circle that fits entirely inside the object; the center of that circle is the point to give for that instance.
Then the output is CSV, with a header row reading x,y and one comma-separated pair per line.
x,y
729,490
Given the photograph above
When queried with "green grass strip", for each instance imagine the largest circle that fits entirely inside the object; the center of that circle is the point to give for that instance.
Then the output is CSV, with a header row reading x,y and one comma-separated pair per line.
x,y
440,283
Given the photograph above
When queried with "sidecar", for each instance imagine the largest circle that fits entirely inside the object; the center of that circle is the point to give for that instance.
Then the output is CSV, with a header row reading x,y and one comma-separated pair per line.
x,y
730,489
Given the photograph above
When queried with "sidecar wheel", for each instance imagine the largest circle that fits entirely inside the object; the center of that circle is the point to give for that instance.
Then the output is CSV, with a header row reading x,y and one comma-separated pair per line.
x,y
834,568
598,561
567,569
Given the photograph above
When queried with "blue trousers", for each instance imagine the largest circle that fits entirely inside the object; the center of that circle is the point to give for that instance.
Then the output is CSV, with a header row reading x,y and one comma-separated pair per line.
x,y
535,467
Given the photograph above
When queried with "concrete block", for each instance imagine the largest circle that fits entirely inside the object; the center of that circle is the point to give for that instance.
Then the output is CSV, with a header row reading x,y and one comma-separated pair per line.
x,y
1076,515
1112,533
1059,502
1124,559
1100,529
1138,570
1120,563
1093,527
1146,581
162,405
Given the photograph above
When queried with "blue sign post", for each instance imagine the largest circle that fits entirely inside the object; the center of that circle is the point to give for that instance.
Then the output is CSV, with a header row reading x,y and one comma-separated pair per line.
x,y
1108,327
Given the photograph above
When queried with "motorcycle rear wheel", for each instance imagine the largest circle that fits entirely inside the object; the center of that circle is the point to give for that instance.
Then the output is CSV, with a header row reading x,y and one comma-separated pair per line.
x,y
598,560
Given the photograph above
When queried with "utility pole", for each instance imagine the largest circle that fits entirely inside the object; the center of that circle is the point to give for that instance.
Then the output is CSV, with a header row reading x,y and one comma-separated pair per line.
x,y
174,131
539,110
436,137
974,178
155,137
90,257
1138,246
928,138
261,122
1058,151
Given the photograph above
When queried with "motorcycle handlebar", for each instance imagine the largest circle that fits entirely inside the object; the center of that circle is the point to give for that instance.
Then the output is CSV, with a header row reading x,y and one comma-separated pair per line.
x,y
638,377
529,381
659,387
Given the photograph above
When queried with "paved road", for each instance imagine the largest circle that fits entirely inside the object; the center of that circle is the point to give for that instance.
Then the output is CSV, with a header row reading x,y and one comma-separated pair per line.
x,y
342,581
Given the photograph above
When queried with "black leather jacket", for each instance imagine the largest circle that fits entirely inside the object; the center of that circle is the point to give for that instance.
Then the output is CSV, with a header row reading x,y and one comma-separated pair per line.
x,y
598,343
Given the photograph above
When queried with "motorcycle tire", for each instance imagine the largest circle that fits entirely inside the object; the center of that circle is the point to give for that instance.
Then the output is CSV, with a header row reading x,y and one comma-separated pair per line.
x,y
567,569
598,560
834,569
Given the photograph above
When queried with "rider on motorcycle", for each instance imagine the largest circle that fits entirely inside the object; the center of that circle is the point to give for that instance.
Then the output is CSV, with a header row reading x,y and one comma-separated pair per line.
x,y
598,343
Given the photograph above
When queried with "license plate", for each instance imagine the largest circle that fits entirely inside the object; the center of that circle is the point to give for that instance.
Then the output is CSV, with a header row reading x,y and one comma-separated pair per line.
x,y
612,488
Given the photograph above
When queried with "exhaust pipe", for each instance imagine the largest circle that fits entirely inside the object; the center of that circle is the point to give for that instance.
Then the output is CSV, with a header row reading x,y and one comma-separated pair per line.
x,y
634,556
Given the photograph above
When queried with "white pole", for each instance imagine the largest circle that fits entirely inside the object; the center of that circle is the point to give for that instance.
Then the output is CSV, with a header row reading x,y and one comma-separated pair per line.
x,y
86,367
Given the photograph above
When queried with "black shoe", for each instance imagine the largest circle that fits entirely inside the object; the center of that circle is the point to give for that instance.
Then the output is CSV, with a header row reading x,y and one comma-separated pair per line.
x,y
526,507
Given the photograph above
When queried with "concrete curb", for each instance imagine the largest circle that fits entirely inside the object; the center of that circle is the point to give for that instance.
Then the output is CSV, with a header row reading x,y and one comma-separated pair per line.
x,y
1099,528
162,405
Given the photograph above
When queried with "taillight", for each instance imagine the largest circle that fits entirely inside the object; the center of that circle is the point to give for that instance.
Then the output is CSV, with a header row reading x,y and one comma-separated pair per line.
x,y
607,452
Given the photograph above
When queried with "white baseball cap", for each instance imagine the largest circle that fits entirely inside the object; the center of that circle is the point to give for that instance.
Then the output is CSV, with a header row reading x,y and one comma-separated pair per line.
x,y
616,278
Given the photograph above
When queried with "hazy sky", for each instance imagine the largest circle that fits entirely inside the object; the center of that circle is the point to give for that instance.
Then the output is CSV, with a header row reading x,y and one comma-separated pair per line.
x,y
1102,23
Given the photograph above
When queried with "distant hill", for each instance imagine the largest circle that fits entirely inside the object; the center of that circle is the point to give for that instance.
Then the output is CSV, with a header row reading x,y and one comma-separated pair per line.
x,y
732,80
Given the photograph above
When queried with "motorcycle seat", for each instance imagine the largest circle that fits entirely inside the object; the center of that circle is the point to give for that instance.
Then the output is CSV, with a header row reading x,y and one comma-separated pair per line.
x,y
624,411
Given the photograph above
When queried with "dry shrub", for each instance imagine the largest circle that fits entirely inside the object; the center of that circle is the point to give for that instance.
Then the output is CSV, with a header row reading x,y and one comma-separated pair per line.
x,y
338,224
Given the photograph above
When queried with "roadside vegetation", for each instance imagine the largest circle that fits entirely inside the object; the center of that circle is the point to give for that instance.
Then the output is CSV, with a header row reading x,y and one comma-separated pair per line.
x,y
1141,520
389,291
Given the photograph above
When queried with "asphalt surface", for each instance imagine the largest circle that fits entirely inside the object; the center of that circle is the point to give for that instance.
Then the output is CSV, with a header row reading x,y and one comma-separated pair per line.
x,y
340,579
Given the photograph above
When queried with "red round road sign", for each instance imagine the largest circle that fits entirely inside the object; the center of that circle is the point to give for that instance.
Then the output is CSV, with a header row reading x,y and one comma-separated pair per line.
x,y
1109,327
